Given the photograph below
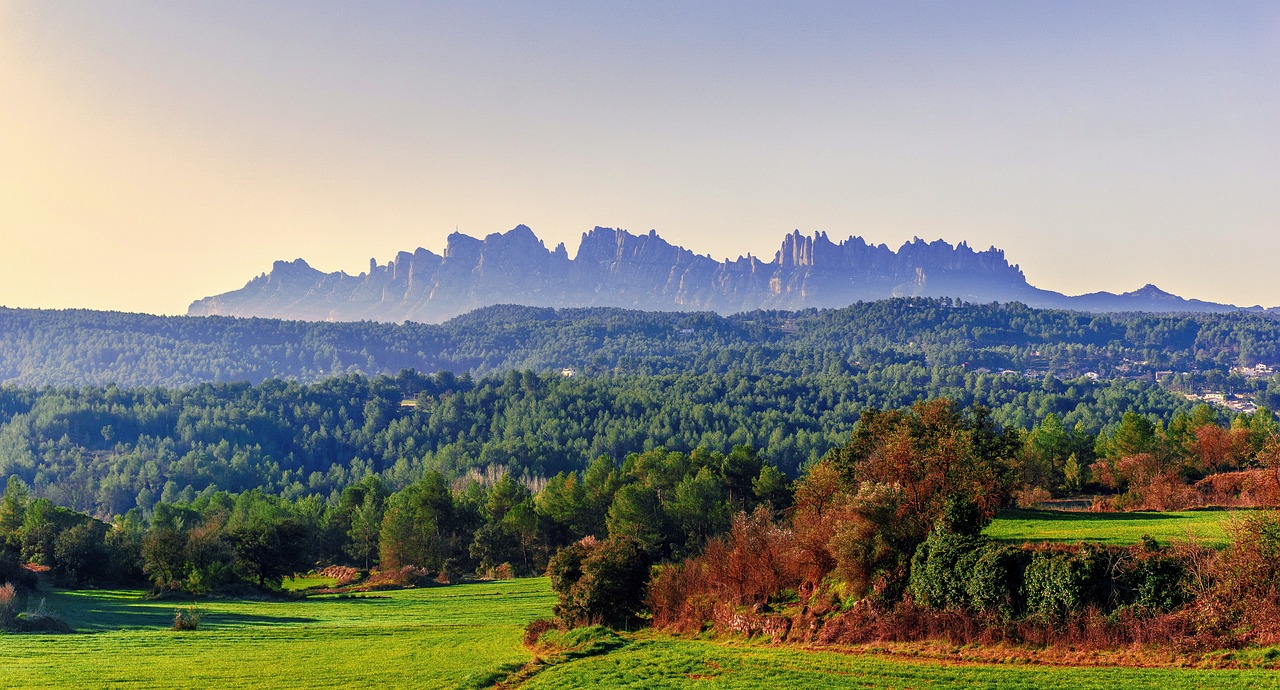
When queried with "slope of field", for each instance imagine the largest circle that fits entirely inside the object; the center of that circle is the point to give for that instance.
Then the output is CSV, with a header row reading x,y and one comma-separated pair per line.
x,y
651,662
1020,526
465,635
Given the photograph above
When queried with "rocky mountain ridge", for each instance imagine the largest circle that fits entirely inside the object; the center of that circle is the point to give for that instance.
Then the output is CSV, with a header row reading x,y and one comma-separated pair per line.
x,y
615,268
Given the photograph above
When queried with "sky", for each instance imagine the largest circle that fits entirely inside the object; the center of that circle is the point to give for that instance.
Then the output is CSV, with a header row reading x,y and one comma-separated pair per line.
x,y
152,153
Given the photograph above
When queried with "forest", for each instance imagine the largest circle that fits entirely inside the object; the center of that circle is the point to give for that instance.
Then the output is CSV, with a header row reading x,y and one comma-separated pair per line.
x,y
105,450
683,470
892,517
76,347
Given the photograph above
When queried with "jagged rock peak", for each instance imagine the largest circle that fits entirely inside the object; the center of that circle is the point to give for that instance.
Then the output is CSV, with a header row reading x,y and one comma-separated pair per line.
x,y
295,265
616,268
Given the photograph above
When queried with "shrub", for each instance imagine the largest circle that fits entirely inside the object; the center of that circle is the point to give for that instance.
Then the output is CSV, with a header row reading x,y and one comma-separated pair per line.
x,y
1154,577
1238,592
601,582
1061,582
970,572
996,582
940,567
11,570
342,574
1030,497
187,618
535,628
754,561
8,604
398,578
680,597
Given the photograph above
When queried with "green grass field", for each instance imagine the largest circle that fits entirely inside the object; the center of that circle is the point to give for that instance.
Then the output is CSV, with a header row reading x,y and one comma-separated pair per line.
x,y
304,582
465,635
468,636
659,661
1109,528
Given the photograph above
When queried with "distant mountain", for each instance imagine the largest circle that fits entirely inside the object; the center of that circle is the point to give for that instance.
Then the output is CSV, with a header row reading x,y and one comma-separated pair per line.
x,y
614,268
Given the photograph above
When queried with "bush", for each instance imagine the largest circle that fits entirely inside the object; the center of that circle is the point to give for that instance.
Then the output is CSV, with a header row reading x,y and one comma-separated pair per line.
x,y
1238,593
940,568
600,582
969,572
187,618
996,583
1154,578
680,597
1061,582
753,562
11,570
535,628
8,604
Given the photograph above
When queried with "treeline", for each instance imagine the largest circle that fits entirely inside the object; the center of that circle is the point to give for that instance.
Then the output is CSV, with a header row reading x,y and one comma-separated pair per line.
x,y
73,348
668,502
106,450
884,544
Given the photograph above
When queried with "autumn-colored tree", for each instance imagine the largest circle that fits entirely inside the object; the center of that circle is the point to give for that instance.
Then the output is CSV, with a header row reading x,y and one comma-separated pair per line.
x,y
900,473
930,455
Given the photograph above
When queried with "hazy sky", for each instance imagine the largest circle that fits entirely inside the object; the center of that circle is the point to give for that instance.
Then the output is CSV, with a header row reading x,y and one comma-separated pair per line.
x,y
155,152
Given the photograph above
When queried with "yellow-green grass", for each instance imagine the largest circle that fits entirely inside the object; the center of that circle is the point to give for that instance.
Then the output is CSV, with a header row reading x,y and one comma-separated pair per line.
x,y
310,581
468,635
1109,528
652,662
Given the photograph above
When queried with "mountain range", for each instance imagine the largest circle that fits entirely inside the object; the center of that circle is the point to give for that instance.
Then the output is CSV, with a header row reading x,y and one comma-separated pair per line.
x,y
615,268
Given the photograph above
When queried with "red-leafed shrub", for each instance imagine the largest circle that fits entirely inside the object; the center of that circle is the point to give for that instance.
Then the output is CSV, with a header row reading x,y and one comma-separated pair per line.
x,y
754,561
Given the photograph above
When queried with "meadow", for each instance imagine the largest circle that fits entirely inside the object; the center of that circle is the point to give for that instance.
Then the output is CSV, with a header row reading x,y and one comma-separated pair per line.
x,y
466,635
469,636
650,661
1019,526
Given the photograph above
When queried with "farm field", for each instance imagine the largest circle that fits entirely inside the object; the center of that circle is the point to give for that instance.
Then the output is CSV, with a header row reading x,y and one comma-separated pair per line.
x,y
468,636
1109,528
660,661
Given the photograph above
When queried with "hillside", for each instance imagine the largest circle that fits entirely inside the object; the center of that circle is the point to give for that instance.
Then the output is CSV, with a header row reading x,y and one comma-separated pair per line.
x,y
80,347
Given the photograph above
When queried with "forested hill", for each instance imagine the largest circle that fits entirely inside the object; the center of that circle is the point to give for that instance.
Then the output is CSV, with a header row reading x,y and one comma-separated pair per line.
x,y
106,450
72,348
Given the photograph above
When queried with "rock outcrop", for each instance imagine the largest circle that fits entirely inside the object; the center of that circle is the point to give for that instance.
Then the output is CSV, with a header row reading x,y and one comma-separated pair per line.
x,y
615,268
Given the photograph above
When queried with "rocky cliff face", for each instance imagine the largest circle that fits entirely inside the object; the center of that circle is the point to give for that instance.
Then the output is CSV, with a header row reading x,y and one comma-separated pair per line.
x,y
614,268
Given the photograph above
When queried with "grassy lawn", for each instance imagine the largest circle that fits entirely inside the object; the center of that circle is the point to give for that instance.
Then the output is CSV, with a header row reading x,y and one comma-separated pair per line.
x,y
1108,528
465,635
653,662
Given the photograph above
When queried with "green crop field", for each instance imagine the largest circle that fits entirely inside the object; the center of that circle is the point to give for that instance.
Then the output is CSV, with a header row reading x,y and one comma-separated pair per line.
x,y
467,636
657,661
1109,528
